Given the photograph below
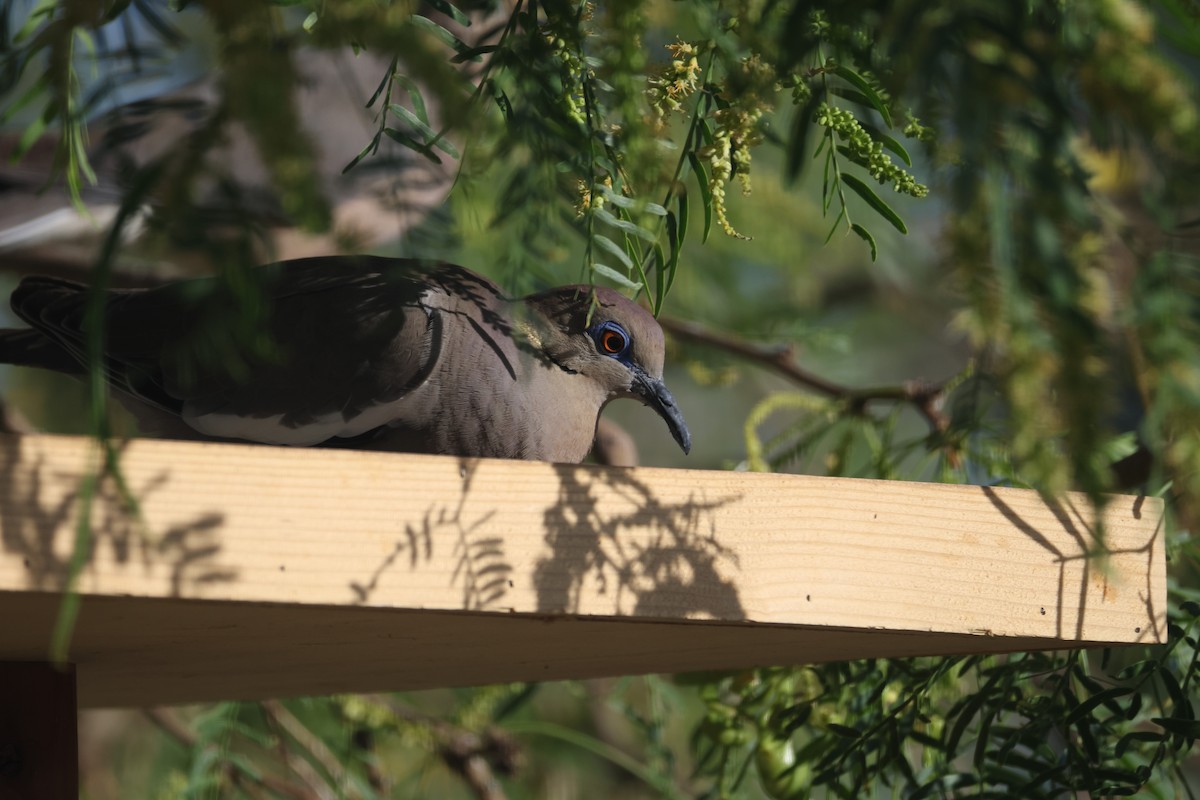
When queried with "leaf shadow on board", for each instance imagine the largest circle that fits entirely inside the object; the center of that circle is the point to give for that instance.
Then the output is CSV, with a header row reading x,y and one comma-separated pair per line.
x,y
40,505
607,534
481,568
654,557
1088,551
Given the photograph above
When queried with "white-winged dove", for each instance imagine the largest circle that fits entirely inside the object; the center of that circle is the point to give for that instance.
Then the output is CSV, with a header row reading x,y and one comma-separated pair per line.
x,y
372,352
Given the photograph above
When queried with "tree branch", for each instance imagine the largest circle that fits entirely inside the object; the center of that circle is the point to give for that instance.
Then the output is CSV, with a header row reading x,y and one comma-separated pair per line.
x,y
924,396
473,756
286,722
171,724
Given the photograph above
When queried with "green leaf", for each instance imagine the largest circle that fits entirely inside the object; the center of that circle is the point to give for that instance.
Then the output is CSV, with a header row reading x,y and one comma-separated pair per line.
x,y
32,93
705,193
826,194
1183,727
844,730
85,38
621,201
853,95
837,222
635,255
412,119
894,145
615,276
1118,447
1087,738
432,138
866,236
660,277
845,151
474,53
310,22
802,126
414,97
821,145
44,8
438,32
1087,706
412,144
1138,669
502,102
371,146
29,137
632,228
678,226
615,249
860,83
385,83
889,142
1183,706
1137,736
672,238
981,742
452,11
873,200
1134,708
970,709
682,202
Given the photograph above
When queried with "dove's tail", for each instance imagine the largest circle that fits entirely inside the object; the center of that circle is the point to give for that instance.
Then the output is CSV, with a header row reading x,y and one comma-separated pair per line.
x,y
30,348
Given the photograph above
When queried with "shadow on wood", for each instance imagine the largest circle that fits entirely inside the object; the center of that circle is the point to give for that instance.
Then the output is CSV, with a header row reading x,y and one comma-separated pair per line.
x,y
38,524
261,571
1089,552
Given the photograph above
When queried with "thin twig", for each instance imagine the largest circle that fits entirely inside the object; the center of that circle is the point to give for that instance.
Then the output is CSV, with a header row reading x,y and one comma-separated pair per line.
x,y
475,757
170,723
282,719
924,396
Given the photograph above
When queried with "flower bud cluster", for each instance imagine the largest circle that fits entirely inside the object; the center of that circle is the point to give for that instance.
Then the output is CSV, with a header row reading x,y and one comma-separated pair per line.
x,y
677,81
868,153
573,72
738,131
721,161
587,201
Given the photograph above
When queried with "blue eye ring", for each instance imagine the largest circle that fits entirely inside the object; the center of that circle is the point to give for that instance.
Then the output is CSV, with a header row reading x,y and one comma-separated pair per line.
x,y
611,339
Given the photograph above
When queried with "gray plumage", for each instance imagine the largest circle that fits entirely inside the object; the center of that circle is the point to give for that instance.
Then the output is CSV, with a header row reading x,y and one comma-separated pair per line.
x,y
360,351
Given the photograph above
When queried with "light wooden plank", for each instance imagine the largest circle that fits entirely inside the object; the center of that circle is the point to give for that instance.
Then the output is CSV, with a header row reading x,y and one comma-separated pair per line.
x,y
270,571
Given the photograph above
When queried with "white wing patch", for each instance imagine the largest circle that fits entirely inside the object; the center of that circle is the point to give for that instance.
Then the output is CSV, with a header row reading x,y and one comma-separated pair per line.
x,y
271,430
268,430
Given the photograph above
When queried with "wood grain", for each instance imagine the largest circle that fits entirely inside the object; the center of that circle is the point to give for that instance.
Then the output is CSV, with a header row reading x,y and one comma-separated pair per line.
x,y
260,571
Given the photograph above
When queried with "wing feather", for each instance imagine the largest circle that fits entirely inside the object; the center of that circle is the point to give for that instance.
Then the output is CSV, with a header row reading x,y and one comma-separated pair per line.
x,y
299,344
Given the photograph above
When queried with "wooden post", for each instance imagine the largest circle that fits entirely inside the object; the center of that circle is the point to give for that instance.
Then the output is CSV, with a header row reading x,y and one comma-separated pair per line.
x,y
39,750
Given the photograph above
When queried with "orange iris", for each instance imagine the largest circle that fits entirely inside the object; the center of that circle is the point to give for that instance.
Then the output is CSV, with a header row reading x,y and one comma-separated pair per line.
x,y
612,342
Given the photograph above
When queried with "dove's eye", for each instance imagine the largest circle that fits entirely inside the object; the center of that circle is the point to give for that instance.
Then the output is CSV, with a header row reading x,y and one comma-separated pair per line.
x,y
611,339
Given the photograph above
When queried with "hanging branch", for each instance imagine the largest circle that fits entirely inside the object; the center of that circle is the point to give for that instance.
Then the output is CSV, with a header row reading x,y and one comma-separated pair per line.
x,y
924,396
